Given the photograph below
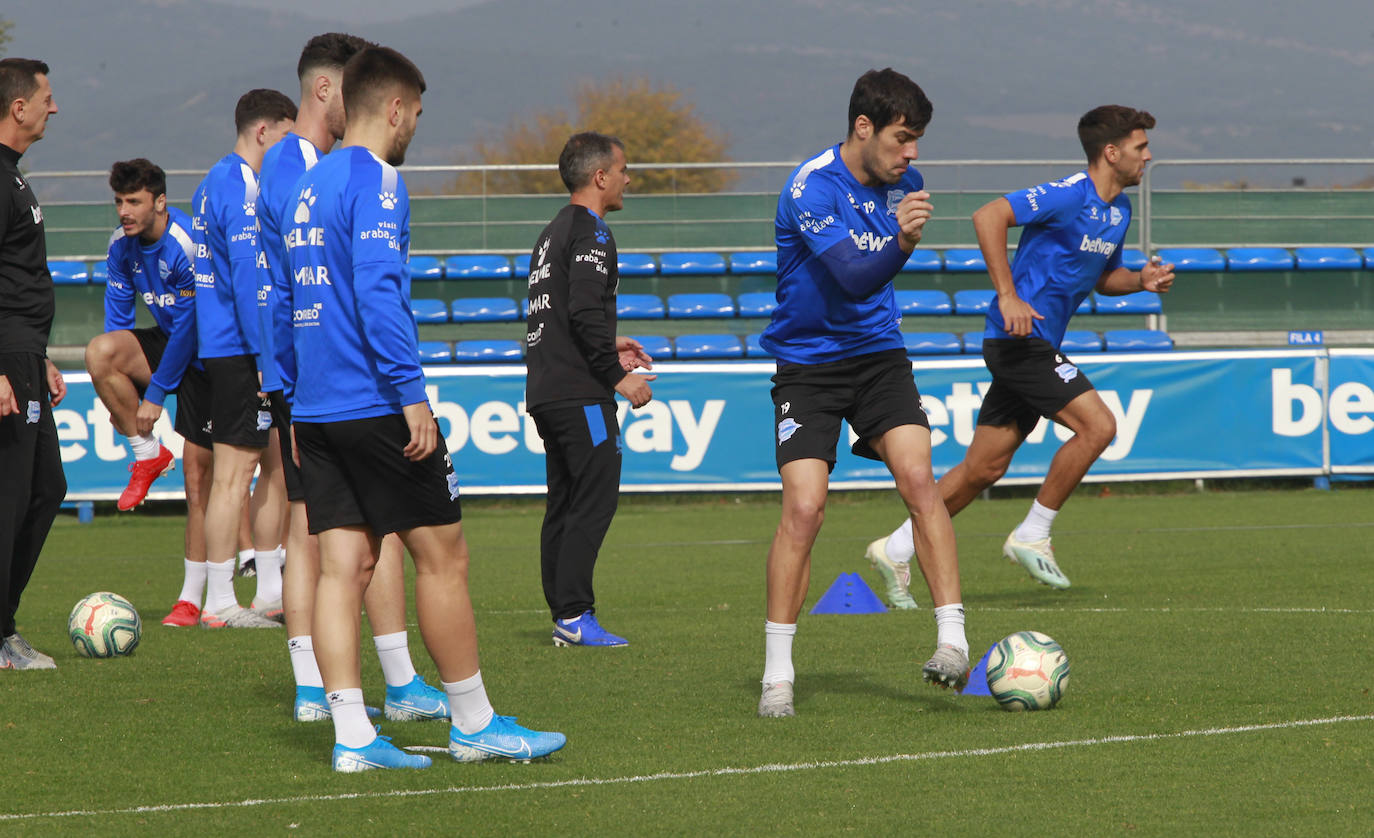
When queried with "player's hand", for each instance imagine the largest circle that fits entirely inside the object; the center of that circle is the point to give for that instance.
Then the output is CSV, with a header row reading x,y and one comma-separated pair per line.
x,y
1157,277
912,214
57,385
8,403
424,431
1018,317
632,355
635,388
147,416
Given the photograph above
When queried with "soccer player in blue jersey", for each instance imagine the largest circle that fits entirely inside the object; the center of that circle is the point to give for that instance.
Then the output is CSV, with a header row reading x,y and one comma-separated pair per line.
x,y
133,369
847,220
319,123
1071,245
371,456
230,273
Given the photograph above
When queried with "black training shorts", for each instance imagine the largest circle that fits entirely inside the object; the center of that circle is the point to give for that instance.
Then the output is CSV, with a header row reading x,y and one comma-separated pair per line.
x,y
238,415
1030,379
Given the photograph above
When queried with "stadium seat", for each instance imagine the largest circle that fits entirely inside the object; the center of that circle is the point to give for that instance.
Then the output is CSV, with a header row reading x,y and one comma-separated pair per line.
x,y
1137,340
1186,259
486,310
429,311
1368,253
1322,259
691,264
435,352
69,272
656,346
520,266
1085,307
1140,302
694,306
636,264
923,260
100,272
1081,340
924,302
1134,259
751,262
973,301
1259,259
484,351
932,343
754,349
964,261
757,303
425,267
477,266
639,307
973,343
701,347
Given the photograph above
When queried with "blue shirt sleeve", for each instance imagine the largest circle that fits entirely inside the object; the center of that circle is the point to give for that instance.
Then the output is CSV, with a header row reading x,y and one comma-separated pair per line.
x,y
119,290
862,274
1051,204
240,226
181,342
814,212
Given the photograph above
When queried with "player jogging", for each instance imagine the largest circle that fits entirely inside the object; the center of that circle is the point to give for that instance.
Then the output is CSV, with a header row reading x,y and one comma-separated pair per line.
x,y
1071,245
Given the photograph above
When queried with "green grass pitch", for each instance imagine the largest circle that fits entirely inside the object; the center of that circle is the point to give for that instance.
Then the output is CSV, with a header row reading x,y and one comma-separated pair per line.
x,y
1217,640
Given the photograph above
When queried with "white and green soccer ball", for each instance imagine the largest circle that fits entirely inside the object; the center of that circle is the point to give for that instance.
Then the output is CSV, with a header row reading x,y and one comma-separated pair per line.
x,y
103,625
1027,671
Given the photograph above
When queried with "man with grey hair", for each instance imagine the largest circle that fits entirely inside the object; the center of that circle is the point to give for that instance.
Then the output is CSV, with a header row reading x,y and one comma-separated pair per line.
x,y
575,365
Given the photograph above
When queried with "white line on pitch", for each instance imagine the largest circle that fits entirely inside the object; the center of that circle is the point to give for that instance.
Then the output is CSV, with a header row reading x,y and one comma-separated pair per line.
x,y
774,768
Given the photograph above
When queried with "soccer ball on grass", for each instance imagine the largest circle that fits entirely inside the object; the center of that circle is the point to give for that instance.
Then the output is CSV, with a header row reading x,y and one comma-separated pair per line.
x,y
103,625
1027,671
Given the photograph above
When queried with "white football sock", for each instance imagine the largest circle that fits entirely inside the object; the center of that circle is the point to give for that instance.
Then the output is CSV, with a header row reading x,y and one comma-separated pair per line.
x,y
268,564
777,652
900,546
144,447
949,626
351,727
1037,523
219,585
193,583
393,651
303,664
468,703
245,555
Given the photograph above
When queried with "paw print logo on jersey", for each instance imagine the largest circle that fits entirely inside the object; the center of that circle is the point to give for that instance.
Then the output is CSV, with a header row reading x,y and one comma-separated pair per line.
x,y
602,235
308,198
250,208
388,200
543,252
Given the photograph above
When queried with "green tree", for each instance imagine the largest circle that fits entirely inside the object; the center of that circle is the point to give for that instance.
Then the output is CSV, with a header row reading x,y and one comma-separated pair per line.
x,y
655,122
5,27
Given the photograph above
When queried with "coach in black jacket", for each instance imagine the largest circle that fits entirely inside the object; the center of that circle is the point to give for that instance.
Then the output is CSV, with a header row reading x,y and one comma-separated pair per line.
x,y
575,365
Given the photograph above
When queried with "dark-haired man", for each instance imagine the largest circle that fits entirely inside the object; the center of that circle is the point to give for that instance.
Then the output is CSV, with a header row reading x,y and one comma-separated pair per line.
x,y
371,456
230,273
133,369
576,365
847,221
33,485
1071,245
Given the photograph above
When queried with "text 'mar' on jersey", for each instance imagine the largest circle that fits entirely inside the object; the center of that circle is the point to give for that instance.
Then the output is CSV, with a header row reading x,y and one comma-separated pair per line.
x,y
230,267
820,206
354,335
1070,238
282,167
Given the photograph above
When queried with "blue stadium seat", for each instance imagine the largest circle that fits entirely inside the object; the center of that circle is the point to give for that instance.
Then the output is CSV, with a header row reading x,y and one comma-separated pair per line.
x,y
656,346
636,264
639,307
751,262
923,260
429,311
1140,302
1137,340
753,349
1134,259
69,273
1368,258
477,266
482,351
693,306
486,310
973,343
964,261
435,352
425,267
100,272
691,264
702,347
1081,340
1193,259
1085,307
757,303
924,302
973,301
520,265
1320,259
932,343
1259,259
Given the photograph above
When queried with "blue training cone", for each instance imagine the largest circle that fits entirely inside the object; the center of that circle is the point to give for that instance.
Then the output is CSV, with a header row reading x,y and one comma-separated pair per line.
x,y
849,594
978,678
